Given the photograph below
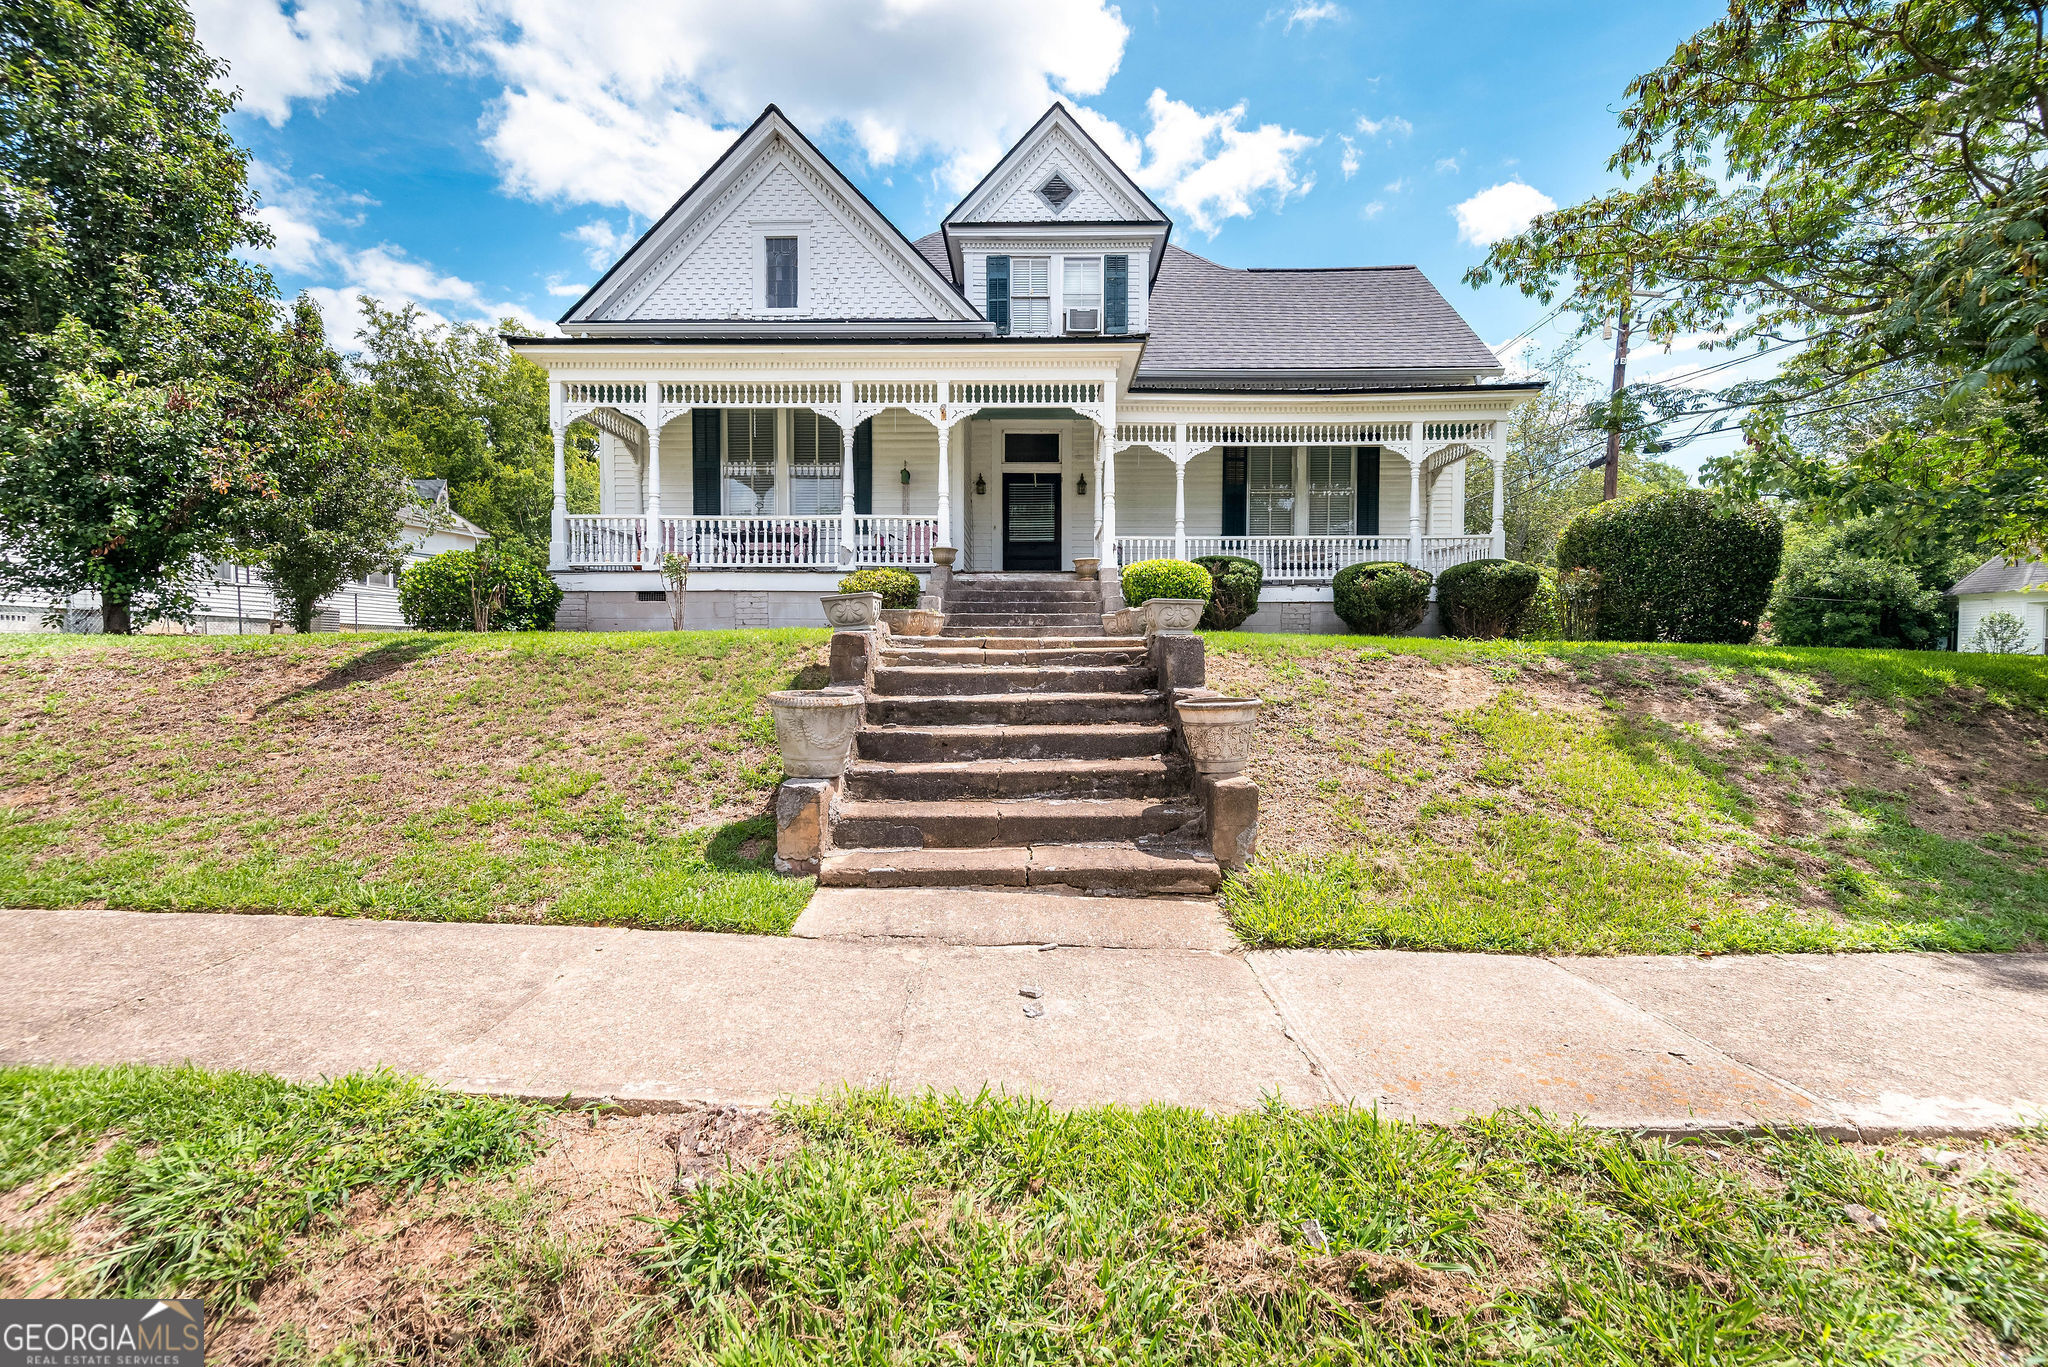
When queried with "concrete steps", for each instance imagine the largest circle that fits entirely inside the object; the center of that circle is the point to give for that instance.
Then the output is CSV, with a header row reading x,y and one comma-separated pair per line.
x,y
1021,748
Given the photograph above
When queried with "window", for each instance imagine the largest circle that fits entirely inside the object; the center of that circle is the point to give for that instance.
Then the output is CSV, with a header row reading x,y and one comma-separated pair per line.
x,y
781,272
749,460
815,452
1031,295
1031,448
1331,510
1056,192
1269,491
1083,285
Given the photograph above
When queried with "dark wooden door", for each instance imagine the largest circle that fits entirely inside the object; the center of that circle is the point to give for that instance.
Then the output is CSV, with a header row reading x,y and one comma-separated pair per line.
x,y
1031,521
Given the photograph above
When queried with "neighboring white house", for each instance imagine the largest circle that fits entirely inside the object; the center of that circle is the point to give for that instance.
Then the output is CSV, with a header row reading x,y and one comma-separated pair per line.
x,y
1996,586
233,600
787,386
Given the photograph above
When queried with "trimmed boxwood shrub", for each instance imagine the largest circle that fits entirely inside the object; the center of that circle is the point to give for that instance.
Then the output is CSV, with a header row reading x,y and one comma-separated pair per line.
x,y
1483,599
899,588
434,594
1681,566
1829,597
1237,581
1146,579
1381,597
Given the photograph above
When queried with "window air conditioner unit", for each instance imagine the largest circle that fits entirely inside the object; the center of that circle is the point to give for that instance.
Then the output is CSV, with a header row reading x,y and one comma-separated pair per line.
x,y
1084,320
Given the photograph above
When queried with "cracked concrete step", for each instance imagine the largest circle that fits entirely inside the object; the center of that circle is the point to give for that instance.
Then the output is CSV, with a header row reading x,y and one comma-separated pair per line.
x,y
913,680
962,824
1137,776
967,640
1055,621
1119,868
1034,632
1015,709
978,657
1053,741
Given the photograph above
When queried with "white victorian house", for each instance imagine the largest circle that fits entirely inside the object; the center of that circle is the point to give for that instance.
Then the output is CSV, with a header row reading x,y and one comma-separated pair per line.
x,y
786,386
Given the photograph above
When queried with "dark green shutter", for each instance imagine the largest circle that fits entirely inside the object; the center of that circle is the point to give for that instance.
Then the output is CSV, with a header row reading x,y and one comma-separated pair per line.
x,y
999,292
864,467
1368,491
1116,294
705,484
1235,460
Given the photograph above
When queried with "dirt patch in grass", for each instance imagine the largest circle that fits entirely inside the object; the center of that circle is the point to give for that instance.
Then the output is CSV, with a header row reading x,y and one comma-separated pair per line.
x,y
539,778
1512,799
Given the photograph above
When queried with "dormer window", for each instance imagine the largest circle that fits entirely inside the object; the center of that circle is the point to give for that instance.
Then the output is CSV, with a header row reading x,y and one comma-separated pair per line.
x,y
1056,192
781,252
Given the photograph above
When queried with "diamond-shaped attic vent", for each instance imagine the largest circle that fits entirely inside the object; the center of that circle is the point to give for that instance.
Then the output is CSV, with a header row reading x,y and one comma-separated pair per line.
x,y
1056,192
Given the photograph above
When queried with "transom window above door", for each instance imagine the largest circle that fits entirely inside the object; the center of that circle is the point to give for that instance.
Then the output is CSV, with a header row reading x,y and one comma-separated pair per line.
x,y
1030,448
1031,295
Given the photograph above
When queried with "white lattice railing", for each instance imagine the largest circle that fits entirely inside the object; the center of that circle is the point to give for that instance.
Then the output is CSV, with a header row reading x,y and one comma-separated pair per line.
x,y
895,393
751,393
1154,434
603,542
1298,433
604,391
1457,431
1312,559
1032,395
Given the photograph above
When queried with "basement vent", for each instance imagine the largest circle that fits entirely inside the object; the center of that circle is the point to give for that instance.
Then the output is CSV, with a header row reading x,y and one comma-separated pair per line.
x,y
1056,192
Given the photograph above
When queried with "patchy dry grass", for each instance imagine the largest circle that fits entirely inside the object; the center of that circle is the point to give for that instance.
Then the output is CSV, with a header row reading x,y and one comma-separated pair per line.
x,y
943,1230
616,779
1600,799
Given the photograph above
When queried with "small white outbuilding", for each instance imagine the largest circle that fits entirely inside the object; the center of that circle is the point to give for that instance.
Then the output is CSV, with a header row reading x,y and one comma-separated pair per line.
x,y
1997,586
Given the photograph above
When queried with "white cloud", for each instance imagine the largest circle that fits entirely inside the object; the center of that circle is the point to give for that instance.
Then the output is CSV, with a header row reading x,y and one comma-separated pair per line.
x,y
1371,210
1209,167
1394,126
317,47
602,243
1514,359
562,289
1500,212
1309,13
1447,166
1399,185
1349,165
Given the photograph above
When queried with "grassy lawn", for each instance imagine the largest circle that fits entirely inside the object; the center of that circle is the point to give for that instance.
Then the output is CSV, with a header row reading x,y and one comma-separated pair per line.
x,y
602,779
1588,798
372,1220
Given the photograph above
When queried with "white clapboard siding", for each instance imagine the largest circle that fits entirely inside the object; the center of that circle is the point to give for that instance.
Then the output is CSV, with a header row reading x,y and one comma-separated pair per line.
x,y
2030,608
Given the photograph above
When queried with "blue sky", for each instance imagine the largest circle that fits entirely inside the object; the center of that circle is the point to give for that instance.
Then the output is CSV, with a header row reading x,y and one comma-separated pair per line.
x,y
486,157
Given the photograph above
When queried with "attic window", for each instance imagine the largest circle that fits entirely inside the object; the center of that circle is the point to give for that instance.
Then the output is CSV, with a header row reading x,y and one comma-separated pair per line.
x,y
1056,192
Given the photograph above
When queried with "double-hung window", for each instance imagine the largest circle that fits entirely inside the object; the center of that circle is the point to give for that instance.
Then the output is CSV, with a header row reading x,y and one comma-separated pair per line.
x,y
1332,510
815,453
1031,295
1082,285
1269,491
749,461
781,263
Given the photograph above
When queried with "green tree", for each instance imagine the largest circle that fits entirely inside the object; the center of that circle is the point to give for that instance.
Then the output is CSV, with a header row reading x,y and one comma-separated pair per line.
x,y
1831,596
456,403
1860,181
332,497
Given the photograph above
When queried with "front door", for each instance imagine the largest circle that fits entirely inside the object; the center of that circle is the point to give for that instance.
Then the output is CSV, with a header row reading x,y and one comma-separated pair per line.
x,y
1031,521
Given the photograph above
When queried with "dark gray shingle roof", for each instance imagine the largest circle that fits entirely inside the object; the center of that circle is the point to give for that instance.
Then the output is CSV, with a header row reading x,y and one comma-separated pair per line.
x,y
932,247
1211,317
1995,576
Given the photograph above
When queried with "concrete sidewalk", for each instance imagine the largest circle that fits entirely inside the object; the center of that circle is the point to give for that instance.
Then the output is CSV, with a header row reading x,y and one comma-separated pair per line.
x,y
1857,1044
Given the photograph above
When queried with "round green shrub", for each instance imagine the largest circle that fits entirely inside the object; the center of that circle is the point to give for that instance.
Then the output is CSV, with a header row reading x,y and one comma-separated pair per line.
x,y
433,594
899,588
1485,599
1147,579
1679,566
1381,597
1237,582
1830,597
1543,620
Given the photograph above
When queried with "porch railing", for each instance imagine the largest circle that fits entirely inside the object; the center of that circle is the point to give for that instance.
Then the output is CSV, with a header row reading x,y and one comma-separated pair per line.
x,y
1312,559
618,541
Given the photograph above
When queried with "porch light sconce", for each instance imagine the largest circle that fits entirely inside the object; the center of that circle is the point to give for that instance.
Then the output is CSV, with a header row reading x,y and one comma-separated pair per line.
x,y
905,475
980,485
1080,484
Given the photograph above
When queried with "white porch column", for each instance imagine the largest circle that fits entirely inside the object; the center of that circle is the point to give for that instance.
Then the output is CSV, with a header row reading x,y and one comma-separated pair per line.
x,y
558,523
650,515
1415,511
1106,550
1499,549
846,553
945,481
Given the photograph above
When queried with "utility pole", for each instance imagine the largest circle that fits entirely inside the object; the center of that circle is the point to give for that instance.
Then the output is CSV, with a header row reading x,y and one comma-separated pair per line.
x,y
1611,483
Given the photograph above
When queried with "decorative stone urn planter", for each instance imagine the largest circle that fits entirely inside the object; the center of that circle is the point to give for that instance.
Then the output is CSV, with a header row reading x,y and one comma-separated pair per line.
x,y
852,611
1219,733
814,730
1122,622
1085,566
1171,616
942,556
913,621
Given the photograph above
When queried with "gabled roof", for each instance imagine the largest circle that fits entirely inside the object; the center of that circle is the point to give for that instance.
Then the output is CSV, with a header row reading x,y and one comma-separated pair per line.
x,y
1995,576
1208,318
630,271
1085,156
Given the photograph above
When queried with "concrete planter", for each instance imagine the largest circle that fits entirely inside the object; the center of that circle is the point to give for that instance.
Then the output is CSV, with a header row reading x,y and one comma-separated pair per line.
x,y
1123,622
913,621
1085,566
852,611
815,730
1219,733
942,556
1171,616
